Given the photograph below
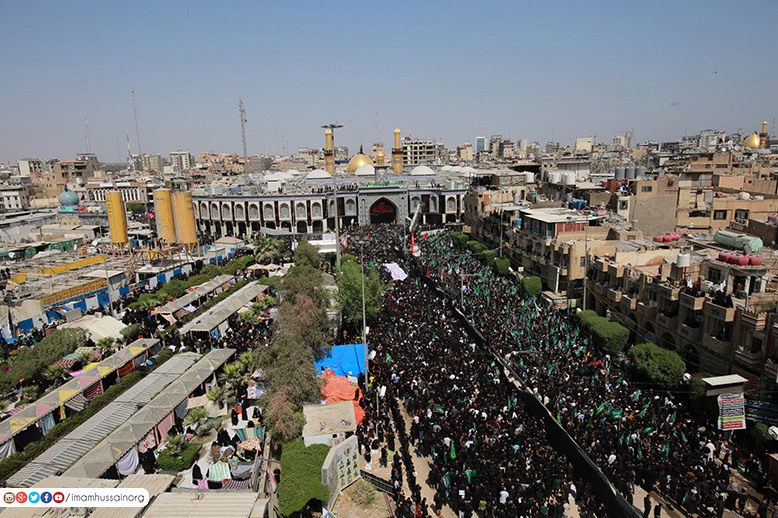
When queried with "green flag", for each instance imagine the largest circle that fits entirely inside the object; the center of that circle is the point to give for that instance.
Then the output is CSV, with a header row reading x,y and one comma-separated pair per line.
x,y
600,408
636,395
645,409
453,452
388,358
470,474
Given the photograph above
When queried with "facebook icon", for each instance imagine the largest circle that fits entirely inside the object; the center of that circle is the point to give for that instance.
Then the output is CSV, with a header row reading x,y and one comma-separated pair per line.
x,y
46,497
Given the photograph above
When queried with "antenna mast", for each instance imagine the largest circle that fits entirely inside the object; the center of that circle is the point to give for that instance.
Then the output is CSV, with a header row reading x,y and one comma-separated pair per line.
x,y
243,121
137,131
86,136
130,162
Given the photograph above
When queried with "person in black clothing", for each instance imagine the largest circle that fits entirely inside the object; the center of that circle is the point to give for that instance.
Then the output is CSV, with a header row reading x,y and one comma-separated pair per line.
x,y
646,506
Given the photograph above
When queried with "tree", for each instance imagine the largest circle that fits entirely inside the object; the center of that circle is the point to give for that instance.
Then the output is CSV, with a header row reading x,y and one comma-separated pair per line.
x,y
476,247
136,208
532,286
174,288
106,345
657,364
611,337
350,294
306,255
502,265
54,373
131,332
459,239
196,417
488,256
268,250
210,271
220,397
301,480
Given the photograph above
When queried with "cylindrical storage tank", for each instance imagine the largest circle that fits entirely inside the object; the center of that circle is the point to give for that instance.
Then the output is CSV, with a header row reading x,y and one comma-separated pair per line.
x,y
684,260
658,239
629,172
117,218
530,177
568,178
619,172
723,256
634,224
754,260
555,177
163,214
183,216
742,260
640,172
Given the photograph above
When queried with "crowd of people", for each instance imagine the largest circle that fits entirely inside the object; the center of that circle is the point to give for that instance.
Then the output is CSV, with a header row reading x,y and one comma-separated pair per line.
x,y
637,436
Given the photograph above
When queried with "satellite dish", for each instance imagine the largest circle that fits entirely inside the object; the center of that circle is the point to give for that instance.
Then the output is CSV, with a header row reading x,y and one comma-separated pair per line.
x,y
773,431
11,254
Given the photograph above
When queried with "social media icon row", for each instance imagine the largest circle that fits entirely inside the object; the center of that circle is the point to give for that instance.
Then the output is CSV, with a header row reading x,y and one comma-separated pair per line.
x,y
33,497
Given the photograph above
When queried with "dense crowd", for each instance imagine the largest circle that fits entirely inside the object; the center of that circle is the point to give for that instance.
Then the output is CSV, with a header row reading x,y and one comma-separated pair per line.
x,y
637,437
486,453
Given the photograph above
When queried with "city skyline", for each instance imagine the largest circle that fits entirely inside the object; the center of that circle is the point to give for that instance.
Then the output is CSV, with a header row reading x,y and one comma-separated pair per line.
x,y
450,72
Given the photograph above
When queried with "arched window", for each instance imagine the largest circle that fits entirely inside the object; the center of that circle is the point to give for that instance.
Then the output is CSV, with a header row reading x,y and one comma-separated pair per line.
x,y
316,210
299,211
226,212
269,212
283,211
253,211
240,212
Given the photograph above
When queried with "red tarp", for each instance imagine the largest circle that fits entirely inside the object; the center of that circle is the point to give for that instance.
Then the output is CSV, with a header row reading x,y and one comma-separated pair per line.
x,y
339,388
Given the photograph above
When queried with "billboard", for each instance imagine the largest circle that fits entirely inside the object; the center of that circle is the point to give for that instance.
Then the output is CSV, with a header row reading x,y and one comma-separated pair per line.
x,y
732,411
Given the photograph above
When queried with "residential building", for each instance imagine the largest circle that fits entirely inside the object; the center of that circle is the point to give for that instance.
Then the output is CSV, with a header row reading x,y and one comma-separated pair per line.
x,y
15,197
720,317
584,144
465,152
64,172
183,160
421,152
480,145
32,167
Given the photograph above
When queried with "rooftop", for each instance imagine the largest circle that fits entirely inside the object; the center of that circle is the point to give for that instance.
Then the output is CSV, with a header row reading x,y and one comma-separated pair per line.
x,y
329,419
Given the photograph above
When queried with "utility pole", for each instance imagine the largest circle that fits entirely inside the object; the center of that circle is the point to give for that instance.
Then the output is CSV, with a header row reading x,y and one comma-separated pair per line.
x,y
243,121
86,136
332,127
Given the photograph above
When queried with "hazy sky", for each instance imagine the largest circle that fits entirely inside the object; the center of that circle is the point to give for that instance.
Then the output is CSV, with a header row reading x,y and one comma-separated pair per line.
x,y
447,70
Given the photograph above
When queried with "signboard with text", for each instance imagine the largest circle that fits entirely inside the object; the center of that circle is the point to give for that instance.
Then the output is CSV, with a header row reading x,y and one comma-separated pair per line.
x,y
732,412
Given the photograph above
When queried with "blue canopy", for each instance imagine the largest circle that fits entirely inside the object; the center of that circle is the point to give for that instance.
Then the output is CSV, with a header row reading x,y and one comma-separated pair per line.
x,y
344,360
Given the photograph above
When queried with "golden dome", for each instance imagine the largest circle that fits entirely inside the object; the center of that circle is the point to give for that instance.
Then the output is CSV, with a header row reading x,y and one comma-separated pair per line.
x,y
752,141
358,161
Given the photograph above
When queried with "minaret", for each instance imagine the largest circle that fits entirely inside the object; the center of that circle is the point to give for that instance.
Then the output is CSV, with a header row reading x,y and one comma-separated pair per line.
x,y
329,152
763,136
397,153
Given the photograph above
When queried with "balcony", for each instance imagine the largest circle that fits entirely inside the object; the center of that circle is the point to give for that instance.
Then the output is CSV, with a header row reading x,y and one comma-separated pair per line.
x,y
600,265
748,359
719,312
629,302
692,302
614,295
597,288
691,331
667,321
720,347
647,309
615,270
669,292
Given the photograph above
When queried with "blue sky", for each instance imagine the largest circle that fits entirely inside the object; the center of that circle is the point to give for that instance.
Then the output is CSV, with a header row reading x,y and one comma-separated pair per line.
x,y
446,70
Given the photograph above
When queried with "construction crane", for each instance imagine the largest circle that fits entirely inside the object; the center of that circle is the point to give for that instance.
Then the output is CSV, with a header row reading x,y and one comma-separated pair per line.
x,y
243,121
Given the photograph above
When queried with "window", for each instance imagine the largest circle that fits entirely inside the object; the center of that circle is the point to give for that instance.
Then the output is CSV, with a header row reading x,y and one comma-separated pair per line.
x,y
756,345
714,275
623,205
741,214
647,188
719,214
721,166
583,262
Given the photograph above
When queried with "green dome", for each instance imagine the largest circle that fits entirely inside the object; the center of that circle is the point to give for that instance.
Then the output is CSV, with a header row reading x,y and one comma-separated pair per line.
x,y
68,198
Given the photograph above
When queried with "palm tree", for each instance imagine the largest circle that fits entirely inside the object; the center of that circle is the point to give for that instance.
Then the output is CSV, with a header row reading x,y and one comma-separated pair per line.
x,y
54,373
106,345
267,249
220,397
196,417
